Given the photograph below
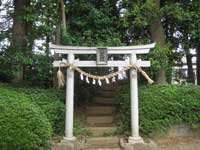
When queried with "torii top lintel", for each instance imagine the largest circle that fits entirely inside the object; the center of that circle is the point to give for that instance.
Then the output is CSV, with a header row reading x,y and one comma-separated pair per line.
x,y
140,49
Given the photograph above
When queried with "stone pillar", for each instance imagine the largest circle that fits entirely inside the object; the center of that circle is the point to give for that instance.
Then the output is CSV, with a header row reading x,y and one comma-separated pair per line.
x,y
69,115
134,138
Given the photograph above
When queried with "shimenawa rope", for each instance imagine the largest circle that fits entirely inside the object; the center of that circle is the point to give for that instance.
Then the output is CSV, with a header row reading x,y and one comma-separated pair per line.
x,y
61,80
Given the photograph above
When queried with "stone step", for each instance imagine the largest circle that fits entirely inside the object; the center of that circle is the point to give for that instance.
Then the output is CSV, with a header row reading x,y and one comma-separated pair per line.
x,y
92,120
102,125
102,143
105,149
103,110
110,87
101,131
105,100
107,93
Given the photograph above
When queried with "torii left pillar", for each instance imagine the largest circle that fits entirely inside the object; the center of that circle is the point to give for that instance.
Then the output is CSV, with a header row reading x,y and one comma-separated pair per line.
x,y
69,113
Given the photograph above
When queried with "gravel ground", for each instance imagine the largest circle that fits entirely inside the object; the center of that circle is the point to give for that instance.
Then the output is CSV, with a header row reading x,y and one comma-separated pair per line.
x,y
183,143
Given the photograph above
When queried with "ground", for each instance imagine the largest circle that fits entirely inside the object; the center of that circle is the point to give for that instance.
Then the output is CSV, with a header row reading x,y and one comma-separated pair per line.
x,y
177,143
182,143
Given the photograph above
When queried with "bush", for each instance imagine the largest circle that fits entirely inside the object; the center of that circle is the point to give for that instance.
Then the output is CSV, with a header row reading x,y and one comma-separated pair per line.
x,y
23,125
51,101
39,72
161,106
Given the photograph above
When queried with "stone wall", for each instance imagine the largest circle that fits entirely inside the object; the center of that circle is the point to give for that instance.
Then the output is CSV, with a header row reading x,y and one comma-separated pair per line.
x,y
183,130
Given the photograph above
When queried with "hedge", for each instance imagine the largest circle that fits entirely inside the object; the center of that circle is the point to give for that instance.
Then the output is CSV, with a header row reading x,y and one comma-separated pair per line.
x,y
161,106
51,101
23,125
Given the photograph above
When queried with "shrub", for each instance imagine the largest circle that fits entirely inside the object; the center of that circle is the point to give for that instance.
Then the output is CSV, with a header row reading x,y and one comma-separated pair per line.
x,y
23,125
161,106
39,71
51,101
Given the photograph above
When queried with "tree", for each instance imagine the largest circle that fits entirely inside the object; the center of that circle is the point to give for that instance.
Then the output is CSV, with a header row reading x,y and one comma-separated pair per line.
x,y
158,35
92,23
101,23
198,63
61,31
186,38
20,30
142,22
195,30
180,17
32,20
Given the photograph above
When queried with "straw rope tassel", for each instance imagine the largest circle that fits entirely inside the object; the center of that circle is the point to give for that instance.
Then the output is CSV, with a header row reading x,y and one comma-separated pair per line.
x,y
61,78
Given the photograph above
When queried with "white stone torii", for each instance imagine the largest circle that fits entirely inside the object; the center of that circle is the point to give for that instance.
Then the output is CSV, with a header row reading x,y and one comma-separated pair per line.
x,y
130,50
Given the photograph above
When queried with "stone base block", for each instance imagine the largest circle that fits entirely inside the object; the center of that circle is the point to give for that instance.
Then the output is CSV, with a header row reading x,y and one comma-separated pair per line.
x,y
149,145
63,146
133,140
69,145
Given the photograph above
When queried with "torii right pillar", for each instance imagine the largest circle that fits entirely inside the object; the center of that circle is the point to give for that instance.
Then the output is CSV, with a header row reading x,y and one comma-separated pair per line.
x,y
135,137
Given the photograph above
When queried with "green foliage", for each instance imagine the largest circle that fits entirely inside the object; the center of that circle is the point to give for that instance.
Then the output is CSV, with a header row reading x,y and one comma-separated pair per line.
x,y
93,23
161,106
41,67
23,125
161,58
37,67
10,61
51,101
137,18
79,129
38,22
140,13
108,23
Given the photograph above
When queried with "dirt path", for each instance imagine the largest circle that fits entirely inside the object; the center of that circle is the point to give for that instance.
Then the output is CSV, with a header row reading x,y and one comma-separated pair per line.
x,y
178,143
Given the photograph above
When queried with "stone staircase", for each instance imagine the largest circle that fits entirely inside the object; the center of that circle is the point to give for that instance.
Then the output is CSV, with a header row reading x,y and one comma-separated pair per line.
x,y
100,118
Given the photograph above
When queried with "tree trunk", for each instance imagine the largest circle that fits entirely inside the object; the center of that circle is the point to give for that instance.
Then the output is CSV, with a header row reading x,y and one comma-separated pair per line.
x,y
198,63
61,24
161,76
18,35
60,28
158,36
63,15
191,76
22,39
18,29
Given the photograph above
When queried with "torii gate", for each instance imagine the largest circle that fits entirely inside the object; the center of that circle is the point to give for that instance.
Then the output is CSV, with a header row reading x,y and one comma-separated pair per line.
x,y
130,50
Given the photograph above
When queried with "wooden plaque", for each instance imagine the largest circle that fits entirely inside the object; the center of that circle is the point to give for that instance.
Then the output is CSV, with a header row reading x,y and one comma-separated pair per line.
x,y
102,56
